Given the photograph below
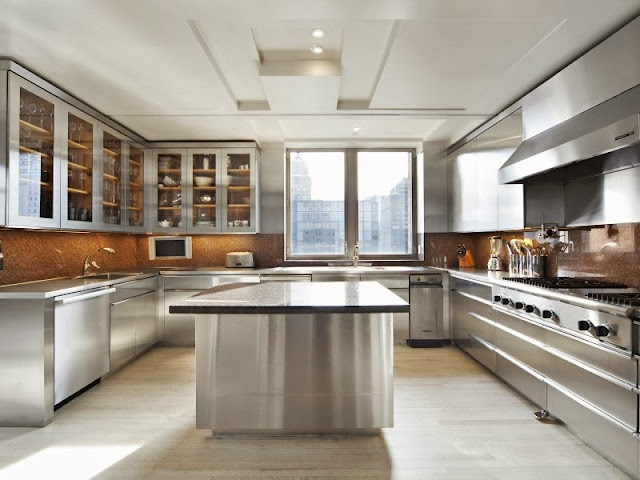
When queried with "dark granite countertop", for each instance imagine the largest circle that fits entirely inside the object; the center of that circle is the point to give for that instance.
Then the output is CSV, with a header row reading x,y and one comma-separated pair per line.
x,y
294,297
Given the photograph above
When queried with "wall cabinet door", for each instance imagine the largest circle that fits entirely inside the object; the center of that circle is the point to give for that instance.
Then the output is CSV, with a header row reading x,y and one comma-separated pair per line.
x,y
463,191
240,190
146,322
79,178
114,153
204,198
168,200
35,137
137,179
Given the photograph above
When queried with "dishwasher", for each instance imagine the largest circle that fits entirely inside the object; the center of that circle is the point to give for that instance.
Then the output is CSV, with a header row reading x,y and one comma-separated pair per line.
x,y
425,311
81,340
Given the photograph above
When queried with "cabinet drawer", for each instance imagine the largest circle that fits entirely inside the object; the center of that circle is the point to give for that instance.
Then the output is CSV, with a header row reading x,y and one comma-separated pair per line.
x,y
521,348
134,288
526,382
389,281
474,289
607,395
481,352
203,282
459,318
482,327
609,438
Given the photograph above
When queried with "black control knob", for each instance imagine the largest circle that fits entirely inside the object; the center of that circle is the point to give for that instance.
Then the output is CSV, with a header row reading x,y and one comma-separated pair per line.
x,y
497,298
584,325
547,313
505,301
529,308
519,305
603,331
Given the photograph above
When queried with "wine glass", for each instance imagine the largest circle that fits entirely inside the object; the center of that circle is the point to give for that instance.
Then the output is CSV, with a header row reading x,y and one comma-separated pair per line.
x,y
72,128
80,130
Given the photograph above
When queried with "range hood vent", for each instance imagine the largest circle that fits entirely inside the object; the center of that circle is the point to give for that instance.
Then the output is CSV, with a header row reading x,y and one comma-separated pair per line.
x,y
604,128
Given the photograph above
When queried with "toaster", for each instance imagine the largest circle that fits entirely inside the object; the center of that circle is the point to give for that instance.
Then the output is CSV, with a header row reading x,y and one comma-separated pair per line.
x,y
239,260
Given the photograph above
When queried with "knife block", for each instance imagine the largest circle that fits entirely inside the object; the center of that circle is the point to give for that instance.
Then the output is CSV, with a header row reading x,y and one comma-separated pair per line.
x,y
466,260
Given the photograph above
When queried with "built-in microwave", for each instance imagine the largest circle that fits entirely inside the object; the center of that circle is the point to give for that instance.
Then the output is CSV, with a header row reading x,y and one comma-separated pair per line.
x,y
169,247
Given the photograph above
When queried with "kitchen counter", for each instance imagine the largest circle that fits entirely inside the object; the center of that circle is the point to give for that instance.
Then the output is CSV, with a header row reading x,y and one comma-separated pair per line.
x,y
294,297
291,357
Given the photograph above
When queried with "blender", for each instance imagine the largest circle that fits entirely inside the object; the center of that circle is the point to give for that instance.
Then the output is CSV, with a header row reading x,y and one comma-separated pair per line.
x,y
495,245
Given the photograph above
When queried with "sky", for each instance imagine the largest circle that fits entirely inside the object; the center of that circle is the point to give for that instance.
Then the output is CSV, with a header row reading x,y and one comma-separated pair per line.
x,y
378,173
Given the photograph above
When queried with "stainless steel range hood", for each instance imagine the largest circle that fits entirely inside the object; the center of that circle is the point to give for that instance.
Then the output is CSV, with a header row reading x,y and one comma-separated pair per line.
x,y
609,126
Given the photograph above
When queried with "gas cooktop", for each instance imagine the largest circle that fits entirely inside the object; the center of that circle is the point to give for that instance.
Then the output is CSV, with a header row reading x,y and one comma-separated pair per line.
x,y
565,282
622,299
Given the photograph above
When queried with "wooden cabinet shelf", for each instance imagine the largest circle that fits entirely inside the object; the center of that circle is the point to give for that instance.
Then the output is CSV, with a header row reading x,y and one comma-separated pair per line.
x,y
30,126
238,171
162,187
137,209
204,170
238,205
78,191
212,187
77,145
239,187
134,185
31,150
204,205
169,170
110,152
111,177
110,204
169,208
77,166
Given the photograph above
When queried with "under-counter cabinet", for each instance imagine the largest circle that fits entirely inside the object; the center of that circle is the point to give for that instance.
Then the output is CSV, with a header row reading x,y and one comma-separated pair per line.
x,y
134,320
205,190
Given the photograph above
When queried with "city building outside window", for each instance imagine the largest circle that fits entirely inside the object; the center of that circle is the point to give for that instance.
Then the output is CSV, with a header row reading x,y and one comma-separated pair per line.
x,y
339,198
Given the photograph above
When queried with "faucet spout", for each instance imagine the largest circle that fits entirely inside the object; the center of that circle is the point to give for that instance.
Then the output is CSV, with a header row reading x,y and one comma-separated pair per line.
x,y
89,263
356,251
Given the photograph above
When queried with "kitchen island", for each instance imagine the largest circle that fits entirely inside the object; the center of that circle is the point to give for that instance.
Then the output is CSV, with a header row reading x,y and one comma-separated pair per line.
x,y
291,357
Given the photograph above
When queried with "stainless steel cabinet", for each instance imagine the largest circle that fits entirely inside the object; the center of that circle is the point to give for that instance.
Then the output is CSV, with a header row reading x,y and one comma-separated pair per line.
x,y
179,329
477,202
137,189
205,190
134,320
81,340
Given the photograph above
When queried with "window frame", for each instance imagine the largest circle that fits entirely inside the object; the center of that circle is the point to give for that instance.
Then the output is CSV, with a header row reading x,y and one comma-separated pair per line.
x,y
351,209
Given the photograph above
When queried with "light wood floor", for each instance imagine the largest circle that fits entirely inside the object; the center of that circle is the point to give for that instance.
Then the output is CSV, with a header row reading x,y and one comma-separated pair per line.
x,y
453,420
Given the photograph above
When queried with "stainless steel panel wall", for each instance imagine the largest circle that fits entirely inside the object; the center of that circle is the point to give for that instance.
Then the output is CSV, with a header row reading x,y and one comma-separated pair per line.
x,y
474,289
586,82
522,380
609,438
26,363
435,187
294,373
401,320
483,328
459,318
272,189
463,189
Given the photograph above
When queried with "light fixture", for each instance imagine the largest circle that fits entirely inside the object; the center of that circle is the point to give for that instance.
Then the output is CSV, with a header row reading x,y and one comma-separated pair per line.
x,y
356,130
317,49
317,32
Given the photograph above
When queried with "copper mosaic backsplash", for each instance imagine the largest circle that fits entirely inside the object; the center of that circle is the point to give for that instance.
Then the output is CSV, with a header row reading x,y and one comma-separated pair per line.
x,y
611,252
37,255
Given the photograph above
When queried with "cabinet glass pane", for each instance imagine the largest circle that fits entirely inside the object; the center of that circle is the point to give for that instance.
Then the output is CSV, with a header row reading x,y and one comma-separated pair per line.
x,y
79,170
112,179
135,217
204,190
35,184
169,190
239,190
384,202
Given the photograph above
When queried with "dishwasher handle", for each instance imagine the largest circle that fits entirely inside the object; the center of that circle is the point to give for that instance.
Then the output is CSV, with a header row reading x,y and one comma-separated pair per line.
x,y
84,296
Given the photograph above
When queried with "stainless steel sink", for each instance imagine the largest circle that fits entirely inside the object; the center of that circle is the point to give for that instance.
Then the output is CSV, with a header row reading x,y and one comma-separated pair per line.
x,y
108,275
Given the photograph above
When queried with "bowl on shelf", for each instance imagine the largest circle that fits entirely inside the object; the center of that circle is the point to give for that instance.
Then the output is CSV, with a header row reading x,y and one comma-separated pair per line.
x,y
203,181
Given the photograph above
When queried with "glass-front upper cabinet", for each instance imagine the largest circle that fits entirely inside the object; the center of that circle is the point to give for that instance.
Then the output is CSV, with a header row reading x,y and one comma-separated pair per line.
x,y
239,206
136,195
77,173
203,214
169,210
34,158
113,155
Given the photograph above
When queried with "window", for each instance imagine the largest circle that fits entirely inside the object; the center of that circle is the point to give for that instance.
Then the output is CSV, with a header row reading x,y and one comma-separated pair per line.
x,y
339,198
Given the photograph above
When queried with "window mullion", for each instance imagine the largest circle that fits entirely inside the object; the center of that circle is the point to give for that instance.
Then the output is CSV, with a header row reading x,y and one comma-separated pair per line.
x,y
351,200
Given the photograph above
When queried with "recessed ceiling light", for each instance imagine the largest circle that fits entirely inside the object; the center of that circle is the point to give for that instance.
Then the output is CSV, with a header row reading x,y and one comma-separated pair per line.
x,y
317,33
356,130
317,49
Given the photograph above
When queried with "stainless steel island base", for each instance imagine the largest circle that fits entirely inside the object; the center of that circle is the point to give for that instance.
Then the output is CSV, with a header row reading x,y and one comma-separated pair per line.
x,y
294,373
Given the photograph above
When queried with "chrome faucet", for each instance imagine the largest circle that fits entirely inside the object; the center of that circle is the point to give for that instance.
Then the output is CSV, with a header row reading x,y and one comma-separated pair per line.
x,y
356,258
89,264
